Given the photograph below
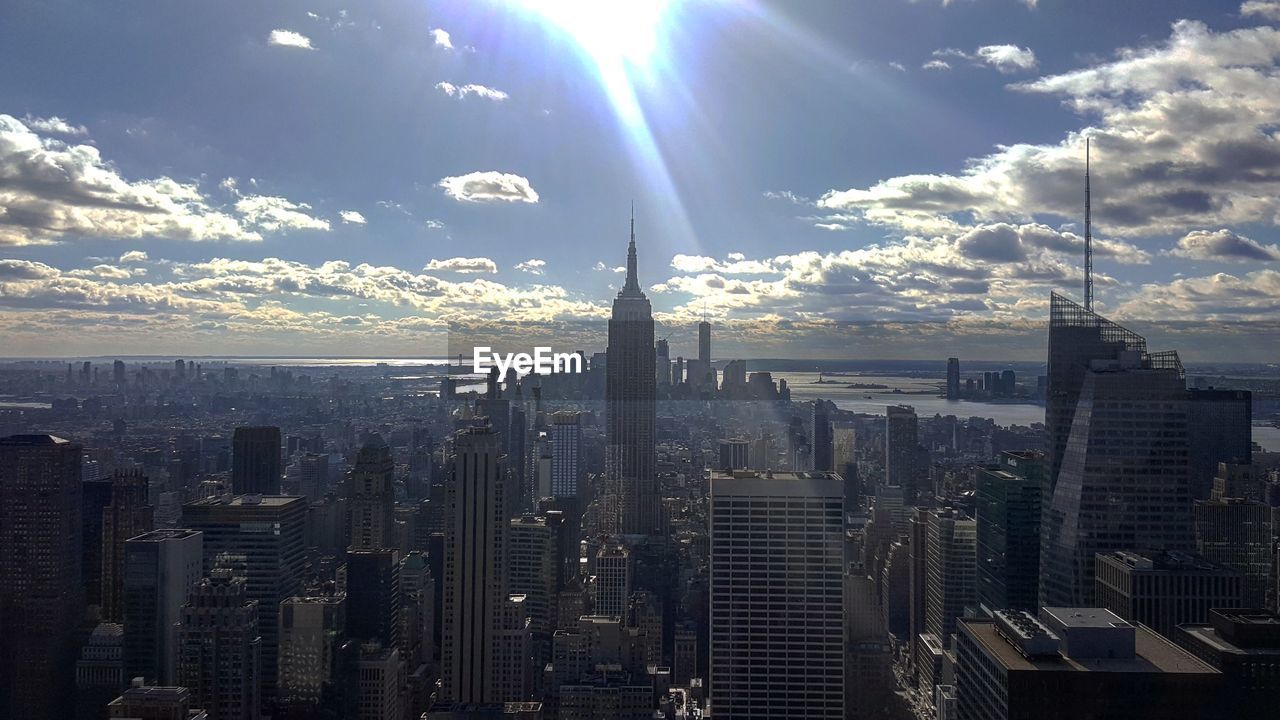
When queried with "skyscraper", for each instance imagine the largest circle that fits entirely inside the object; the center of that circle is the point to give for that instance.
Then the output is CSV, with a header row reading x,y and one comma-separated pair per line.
x,y
312,630
475,568
662,365
630,395
1008,527
777,648
704,343
371,498
566,447
953,378
613,580
40,585
823,444
255,460
373,596
900,440
127,515
1117,420
949,572
160,569
218,645
1219,429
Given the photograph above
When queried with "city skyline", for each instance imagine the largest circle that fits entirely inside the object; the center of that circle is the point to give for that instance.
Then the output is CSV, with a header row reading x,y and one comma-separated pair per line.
x,y
179,214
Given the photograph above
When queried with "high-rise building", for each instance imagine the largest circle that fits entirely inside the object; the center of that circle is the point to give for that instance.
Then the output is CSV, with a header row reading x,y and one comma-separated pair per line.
x,y
1164,589
612,584
371,498
901,439
160,568
704,343
1219,429
117,373
41,590
662,364
475,587
1236,533
1244,645
373,596
268,531
380,678
95,497
126,516
255,461
950,573
313,472
1076,663
142,702
734,455
1118,451
823,442
100,671
1008,532
566,449
532,570
777,649
218,644
630,406
953,378
312,631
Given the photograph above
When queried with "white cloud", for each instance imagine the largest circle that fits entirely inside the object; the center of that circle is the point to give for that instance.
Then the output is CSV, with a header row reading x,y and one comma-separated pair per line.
x,y
601,267
898,66
936,65
463,265
134,256
276,213
533,266
441,38
289,38
353,217
1224,246
433,224
463,91
488,186
1265,9
1007,58
54,125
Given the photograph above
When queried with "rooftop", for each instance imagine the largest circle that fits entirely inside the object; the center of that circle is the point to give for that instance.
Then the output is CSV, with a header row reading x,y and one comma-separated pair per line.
x,y
1154,654
32,440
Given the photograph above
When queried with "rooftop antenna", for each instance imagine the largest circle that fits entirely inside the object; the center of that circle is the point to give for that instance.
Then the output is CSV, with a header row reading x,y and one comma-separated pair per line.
x,y
1088,235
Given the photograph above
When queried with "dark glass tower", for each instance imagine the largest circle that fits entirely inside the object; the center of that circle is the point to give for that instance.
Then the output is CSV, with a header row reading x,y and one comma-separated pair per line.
x,y
255,461
631,393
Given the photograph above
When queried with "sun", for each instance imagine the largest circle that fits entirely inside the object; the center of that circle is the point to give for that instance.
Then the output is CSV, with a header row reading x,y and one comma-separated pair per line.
x,y
614,34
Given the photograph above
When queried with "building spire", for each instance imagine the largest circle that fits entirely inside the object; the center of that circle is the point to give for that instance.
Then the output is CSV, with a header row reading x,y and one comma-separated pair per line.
x,y
632,286
1088,234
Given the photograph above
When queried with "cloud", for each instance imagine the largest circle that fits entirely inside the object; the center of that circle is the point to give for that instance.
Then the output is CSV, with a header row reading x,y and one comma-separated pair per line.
x,y
134,256
433,224
1265,9
1224,246
54,125
788,196
441,38
601,267
353,217
936,65
488,186
276,213
289,38
463,91
898,66
1008,58
532,266
463,265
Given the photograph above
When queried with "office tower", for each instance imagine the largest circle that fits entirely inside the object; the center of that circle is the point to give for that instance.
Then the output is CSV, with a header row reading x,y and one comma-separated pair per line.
x,y
371,498
141,702
1076,663
533,571
901,438
219,650
953,378
312,631
417,610
160,568
373,596
255,461
475,567
566,449
1118,451
918,573
662,363
380,672
1236,533
117,373
1163,589
41,601
1244,645
734,455
950,572
127,515
777,649
100,671
823,442
630,406
613,580
95,496
1008,532
313,470
677,371
513,638
1219,429
268,532
704,343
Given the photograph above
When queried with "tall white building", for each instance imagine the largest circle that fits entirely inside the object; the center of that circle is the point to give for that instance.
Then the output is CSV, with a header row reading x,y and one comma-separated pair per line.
x,y
950,570
777,615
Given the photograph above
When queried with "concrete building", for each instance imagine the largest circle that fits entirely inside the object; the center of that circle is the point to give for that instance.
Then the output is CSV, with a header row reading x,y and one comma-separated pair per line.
x,y
950,572
371,498
566,451
777,649
380,677
127,515
100,671
312,631
612,584
1164,589
160,569
141,702
219,649
1244,645
901,438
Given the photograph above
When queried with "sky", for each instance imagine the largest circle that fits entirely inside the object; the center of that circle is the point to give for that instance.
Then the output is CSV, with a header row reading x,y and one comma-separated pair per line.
x,y
836,179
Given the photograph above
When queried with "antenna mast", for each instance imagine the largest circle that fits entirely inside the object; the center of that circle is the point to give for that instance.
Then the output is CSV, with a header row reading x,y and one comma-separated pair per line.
x,y
1088,234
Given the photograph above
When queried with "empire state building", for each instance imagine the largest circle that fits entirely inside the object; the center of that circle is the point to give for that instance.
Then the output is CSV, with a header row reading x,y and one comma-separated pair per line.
x,y
630,397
